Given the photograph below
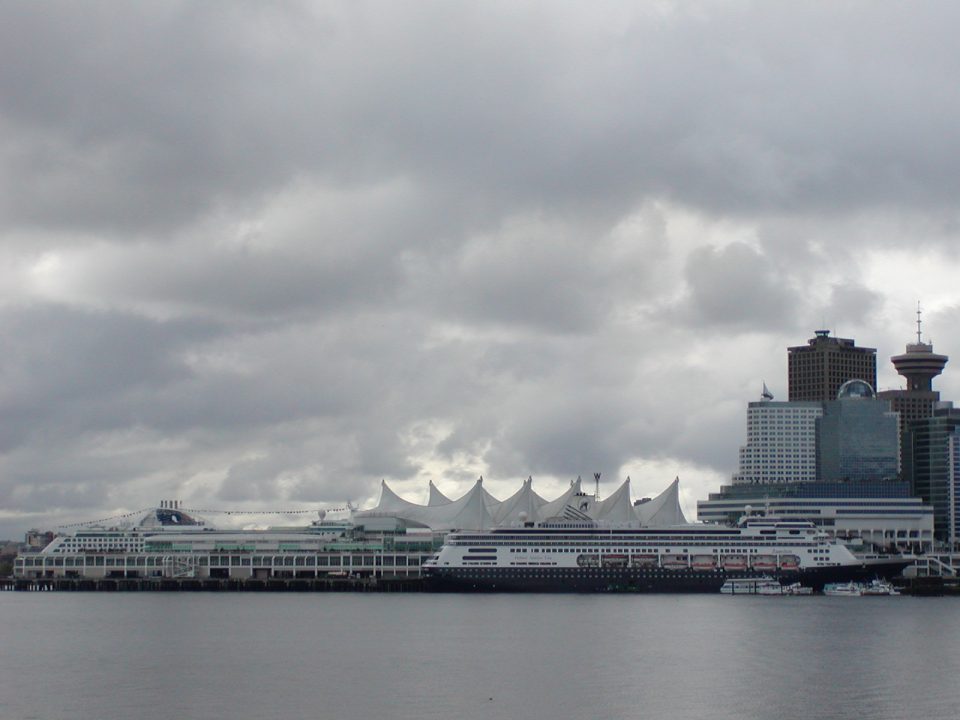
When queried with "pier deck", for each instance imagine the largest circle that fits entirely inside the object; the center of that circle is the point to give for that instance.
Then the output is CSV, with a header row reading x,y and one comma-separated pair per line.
x,y
211,585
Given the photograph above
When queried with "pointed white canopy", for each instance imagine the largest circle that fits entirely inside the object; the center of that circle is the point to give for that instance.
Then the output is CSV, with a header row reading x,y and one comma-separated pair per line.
x,y
555,508
469,512
523,505
437,497
466,513
479,510
663,510
390,502
489,500
616,510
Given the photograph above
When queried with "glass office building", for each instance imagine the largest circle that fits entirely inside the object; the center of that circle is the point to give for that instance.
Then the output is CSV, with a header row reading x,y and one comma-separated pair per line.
x,y
858,436
930,466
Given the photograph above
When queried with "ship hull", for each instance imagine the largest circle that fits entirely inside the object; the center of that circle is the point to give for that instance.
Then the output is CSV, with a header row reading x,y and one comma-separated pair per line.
x,y
636,580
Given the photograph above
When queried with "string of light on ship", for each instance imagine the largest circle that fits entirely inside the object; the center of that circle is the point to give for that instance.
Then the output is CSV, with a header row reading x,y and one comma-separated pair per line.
x,y
136,513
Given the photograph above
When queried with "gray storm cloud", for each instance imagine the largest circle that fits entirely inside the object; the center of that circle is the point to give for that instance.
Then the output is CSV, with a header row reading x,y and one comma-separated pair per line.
x,y
263,254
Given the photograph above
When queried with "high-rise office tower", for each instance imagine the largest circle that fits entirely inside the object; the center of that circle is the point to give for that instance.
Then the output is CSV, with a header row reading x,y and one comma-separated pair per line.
x,y
816,371
930,464
781,442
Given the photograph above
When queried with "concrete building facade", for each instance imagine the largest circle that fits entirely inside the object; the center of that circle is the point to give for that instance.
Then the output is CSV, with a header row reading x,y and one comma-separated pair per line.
x,y
879,514
781,443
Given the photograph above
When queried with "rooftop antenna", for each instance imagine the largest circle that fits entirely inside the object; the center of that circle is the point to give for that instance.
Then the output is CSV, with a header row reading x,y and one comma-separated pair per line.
x,y
596,492
919,341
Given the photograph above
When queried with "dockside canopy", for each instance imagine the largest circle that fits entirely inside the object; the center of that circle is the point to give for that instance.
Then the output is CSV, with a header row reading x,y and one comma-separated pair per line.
x,y
477,509
663,510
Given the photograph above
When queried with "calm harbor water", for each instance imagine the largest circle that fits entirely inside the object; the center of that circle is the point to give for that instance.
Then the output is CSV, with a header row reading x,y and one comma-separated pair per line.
x,y
198,656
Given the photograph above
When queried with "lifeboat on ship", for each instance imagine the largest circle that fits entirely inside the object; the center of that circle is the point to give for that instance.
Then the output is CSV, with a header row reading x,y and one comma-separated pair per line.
x,y
789,562
764,563
676,562
733,562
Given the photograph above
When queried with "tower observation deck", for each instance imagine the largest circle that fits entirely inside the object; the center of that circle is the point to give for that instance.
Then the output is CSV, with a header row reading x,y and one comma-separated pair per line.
x,y
919,364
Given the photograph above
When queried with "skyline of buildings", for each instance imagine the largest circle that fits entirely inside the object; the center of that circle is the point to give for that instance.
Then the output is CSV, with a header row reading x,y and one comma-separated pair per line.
x,y
836,452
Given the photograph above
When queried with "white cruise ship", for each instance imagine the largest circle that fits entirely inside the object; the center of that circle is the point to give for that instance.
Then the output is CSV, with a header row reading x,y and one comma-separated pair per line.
x,y
169,542
581,557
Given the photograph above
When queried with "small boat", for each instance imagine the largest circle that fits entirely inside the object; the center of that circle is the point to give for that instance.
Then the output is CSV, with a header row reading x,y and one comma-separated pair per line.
x,y
797,589
763,585
771,588
879,587
847,589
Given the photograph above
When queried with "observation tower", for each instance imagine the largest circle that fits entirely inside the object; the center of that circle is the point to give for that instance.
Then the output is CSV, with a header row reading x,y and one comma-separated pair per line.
x,y
919,364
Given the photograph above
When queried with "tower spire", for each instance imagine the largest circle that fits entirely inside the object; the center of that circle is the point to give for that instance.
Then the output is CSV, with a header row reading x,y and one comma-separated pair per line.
x,y
919,341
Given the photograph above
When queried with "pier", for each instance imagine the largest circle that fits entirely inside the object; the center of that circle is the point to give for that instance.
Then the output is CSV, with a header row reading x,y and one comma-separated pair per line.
x,y
211,585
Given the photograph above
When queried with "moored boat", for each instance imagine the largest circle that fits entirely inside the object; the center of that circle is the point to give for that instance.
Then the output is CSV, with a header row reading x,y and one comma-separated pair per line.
x,y
879,587
764,585
843,589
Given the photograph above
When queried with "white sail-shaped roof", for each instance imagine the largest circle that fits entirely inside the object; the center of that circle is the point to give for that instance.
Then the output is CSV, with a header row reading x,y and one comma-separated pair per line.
x,y
524,502
555,508
391,503
664,510
437,497
466,513
489,500
616,510
479,510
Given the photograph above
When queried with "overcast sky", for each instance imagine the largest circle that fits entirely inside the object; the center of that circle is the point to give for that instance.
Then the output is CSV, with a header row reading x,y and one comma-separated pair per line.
x,y
263,256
